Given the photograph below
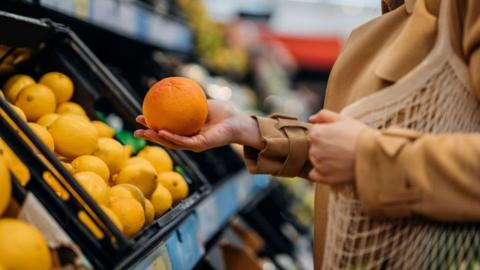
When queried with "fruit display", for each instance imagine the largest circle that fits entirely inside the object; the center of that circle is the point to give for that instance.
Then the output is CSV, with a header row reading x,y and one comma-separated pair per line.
x,y
22,246
131,190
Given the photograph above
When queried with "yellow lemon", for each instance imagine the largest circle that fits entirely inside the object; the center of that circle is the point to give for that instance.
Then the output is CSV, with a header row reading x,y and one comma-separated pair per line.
x,y
175,183
159,158
137,160
68,166
43,134
36,100
5,185
126,191
93,185
19,112
161,200
89,163
60,84
112,216
15,84
47,119
149,212
103,129
130,213
73,136
142,176
128,149
110,151
71,108
22,246
14,164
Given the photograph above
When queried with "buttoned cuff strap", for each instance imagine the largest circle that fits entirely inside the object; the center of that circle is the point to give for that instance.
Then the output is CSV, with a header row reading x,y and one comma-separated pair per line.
x,y
286,146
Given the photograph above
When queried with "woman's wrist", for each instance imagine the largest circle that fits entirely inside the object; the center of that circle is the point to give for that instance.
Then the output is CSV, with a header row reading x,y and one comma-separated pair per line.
x,y
248,133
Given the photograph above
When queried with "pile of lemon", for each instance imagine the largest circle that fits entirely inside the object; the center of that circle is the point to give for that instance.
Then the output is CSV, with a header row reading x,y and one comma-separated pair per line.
x,y
22,246
132,190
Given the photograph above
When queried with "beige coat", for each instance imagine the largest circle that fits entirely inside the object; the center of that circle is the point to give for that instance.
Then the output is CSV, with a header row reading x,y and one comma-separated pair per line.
x,y
444,170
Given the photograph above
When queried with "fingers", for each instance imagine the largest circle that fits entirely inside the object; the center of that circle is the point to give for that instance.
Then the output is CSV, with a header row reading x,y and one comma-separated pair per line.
x,y
195,143
152,136
315,176
141,120
324,116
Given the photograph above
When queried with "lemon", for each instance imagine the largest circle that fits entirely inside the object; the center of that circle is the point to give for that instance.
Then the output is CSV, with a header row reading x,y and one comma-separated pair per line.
x,y
22,246
103,129
93,185
126,191
175,183
137,194
112,216
140,175
71,108
89,163
149,212
110,151
128,149
14,164
68,166
15,84
36,100
5,185
19,112
43,134
73,136
137,160
161,200
159,158
130,213
47,119
60,84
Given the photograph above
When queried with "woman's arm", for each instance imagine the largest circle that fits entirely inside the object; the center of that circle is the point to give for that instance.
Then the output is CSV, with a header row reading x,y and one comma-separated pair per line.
x,y
276,145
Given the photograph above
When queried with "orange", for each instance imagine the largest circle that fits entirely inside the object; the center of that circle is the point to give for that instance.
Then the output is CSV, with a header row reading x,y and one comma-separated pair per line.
x,y
175,183
35,101
176,104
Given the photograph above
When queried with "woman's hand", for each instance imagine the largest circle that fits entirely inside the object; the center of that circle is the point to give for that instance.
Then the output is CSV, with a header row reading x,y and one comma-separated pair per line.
x,y
332,152
224,125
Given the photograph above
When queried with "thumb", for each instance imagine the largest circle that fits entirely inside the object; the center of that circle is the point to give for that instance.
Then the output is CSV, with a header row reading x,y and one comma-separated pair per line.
x,y
324,116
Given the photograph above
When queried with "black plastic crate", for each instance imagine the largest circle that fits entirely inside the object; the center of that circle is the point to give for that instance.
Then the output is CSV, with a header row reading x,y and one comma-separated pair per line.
x,y
56,48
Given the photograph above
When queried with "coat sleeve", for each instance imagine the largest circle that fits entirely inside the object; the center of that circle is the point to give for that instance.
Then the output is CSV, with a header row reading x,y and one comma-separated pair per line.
x,y
401,172
286,147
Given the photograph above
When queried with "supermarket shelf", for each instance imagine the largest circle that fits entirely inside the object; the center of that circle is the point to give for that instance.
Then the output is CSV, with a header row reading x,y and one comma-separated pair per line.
x,y
129,19
185,247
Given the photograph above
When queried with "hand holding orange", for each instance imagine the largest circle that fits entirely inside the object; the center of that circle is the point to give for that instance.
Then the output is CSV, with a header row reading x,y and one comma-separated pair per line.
x,y
176,104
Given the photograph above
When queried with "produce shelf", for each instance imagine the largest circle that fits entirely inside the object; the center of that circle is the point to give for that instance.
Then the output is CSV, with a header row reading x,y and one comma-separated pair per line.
x,y
55,48
128,18
187,244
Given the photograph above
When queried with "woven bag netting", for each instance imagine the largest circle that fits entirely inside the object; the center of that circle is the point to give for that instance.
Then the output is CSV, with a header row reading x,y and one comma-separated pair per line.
x,y
444,104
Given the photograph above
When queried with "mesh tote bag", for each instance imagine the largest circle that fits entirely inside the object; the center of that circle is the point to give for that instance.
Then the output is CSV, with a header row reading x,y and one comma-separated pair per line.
x,y
435,97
